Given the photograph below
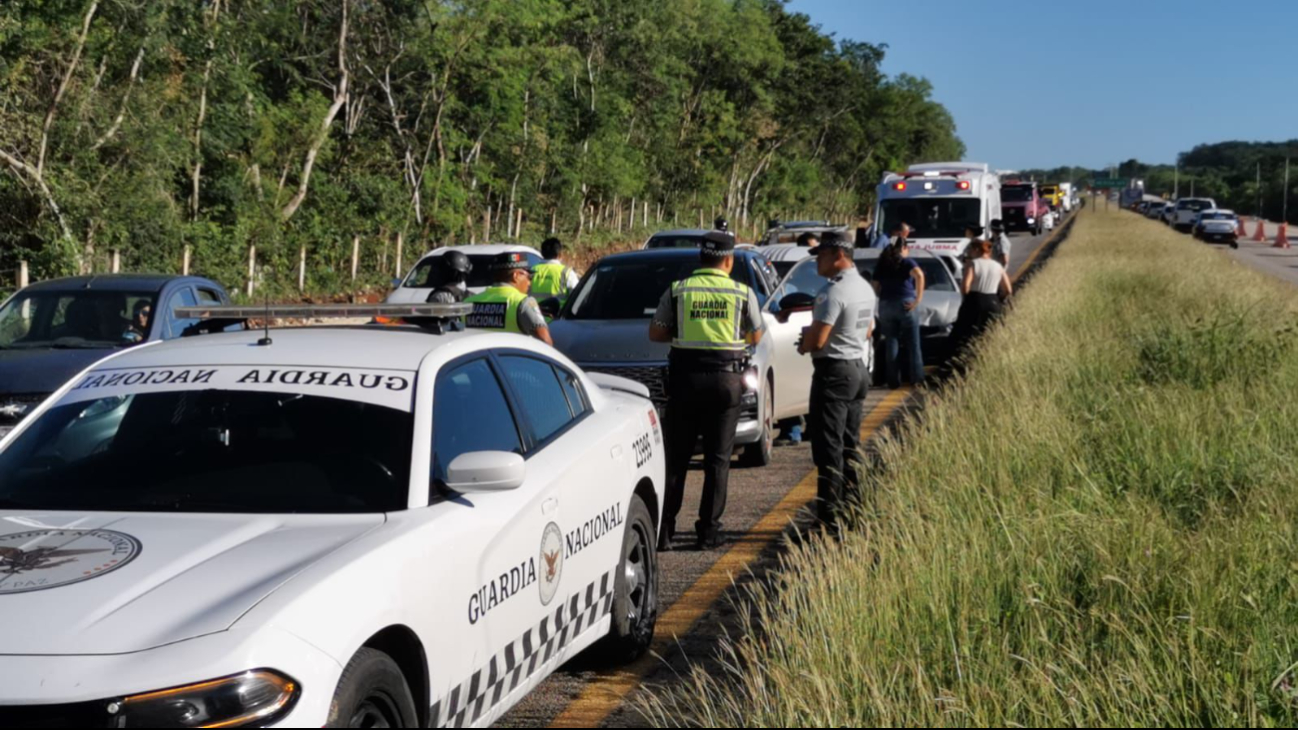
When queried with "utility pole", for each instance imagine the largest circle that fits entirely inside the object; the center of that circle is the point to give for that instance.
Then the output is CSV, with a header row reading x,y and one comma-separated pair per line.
x,y
1191,187
1176,185
1284,216
1259,190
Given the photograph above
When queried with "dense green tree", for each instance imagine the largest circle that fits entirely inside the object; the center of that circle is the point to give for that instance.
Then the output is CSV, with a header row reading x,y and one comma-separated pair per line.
x,y
217,126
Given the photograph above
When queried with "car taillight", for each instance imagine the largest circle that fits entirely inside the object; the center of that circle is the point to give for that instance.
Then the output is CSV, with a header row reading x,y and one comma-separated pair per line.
x,y
899,186
963,185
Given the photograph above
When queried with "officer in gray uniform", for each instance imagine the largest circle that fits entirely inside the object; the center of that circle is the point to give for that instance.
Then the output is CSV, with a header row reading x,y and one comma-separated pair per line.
x,y
841,325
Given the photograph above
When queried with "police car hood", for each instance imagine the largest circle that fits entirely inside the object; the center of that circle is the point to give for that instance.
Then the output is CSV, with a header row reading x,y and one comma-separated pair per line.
x,y
101,583
597,341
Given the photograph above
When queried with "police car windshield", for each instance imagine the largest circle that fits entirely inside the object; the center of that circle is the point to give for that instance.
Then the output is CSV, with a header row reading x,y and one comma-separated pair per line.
x,y
70,319
932,217
424,276
211,451
675,242
1016,194
631,288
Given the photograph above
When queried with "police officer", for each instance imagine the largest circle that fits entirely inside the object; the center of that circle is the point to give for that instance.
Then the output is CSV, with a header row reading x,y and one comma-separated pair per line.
x,y
836,340
1001,245
721,224
506,306
710,321
553,279
450,278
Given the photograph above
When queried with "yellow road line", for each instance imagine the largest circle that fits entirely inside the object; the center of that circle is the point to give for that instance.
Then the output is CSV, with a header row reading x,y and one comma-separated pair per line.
x,y
605,694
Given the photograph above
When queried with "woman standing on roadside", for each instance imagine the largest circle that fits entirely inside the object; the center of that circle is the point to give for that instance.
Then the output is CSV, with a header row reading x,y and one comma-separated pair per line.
x,y
985,287
899,281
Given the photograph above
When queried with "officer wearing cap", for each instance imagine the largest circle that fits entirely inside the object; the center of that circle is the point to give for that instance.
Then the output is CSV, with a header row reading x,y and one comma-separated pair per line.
x,y
710,321
553,278
450,278
836,340
1000,243
506,307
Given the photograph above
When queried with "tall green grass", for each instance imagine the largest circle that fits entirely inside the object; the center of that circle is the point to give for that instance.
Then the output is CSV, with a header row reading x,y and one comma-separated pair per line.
x,y
1097,527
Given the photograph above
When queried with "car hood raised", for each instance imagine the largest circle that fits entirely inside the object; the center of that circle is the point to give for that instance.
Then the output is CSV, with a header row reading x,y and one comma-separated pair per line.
x,y
595,341
104,583
43,370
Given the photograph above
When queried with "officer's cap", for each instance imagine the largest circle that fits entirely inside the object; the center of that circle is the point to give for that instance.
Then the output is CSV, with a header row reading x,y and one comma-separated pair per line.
x,y
837,239
510,262
998,226
718,243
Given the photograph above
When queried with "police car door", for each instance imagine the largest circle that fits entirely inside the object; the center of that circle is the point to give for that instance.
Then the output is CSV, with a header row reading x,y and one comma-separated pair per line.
x,y
587,454
513,547
792,371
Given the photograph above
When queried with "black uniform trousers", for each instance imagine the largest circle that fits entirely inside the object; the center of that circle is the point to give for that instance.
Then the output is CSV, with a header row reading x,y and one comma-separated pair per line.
x,y
701,403
838,391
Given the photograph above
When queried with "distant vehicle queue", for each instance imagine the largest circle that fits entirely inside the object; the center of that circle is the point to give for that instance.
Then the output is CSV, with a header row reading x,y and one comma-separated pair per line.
x,y
1200,217
162,450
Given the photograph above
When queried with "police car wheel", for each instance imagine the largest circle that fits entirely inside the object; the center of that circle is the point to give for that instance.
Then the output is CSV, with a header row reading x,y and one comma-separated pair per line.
x,y
759,454
635,590
372,693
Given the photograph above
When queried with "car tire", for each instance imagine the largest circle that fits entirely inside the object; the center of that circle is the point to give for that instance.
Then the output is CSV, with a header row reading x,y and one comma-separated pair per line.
x,y
760,454
372,693
635,590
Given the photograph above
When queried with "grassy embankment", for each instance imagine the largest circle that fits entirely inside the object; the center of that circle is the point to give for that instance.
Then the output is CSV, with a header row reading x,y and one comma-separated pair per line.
x,y
1099,527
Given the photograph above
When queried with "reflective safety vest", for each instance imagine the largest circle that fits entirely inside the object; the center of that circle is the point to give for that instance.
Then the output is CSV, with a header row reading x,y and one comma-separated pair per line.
x,y
496,309
709,312
550,279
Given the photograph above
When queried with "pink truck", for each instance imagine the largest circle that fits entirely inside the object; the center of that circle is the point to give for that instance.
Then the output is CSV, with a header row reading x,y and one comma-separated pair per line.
x,y
1023,207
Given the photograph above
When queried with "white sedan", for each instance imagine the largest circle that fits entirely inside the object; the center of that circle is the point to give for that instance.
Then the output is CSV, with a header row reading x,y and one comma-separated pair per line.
x,y
417,285
371,527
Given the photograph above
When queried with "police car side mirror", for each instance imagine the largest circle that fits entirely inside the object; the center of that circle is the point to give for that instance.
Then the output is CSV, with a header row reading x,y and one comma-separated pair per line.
x,y
396,283
798,302
551,307
483,472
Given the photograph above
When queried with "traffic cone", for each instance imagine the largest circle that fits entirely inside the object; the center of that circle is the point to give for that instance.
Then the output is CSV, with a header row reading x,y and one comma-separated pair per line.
x,y
1242,233
1260,236
1282,236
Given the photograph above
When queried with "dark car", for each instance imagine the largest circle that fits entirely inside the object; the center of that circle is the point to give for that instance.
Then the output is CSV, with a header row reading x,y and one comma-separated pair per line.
x,y
604,328
53,330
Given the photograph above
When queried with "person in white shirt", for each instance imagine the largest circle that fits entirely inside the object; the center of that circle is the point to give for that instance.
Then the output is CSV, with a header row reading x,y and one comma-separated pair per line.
x,y
986,286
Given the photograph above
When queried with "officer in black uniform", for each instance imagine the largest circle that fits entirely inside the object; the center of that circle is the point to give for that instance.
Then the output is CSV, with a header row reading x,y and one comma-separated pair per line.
x,y
710,321
450,278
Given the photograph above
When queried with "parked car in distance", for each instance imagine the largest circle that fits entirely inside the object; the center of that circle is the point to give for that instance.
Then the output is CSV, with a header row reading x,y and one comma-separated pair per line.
x,y
1188,209
789,233
1217,226
1168,212
682,238
417,285
784,256
53,330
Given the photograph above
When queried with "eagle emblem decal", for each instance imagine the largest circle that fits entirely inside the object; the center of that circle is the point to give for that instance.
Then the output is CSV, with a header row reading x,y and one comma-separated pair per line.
x,y
551,562
42,559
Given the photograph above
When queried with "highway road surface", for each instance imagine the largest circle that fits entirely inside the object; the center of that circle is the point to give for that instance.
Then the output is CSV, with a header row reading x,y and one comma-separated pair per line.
x,y
695,586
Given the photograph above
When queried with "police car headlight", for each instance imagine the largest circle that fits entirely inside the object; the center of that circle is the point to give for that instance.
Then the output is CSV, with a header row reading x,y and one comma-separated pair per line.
x,y
252,699
751,381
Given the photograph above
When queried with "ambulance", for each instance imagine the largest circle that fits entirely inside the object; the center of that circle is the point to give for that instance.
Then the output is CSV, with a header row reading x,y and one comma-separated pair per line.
x,y
939,200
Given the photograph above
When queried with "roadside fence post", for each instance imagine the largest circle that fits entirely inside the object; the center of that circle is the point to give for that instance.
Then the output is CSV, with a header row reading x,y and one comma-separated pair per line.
x,y
356,255
117,261
252,268
397,268
301,268
184,262
22,275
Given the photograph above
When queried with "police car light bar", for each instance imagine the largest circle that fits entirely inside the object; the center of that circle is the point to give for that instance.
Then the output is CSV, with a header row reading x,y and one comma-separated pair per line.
x,y
324,311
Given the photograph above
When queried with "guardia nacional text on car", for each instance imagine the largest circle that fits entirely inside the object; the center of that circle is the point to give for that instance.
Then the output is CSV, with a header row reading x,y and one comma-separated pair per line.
x,y
338,527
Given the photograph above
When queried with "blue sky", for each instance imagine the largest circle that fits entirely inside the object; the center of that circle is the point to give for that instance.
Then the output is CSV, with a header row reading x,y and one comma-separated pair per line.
x,y
1043,83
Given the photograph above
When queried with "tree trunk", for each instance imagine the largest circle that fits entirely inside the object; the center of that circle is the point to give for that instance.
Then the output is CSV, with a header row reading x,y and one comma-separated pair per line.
x,y
341,95
63,88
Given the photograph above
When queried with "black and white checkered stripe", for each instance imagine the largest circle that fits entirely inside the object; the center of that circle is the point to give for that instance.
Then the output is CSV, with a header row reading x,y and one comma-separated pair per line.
x,y
519,660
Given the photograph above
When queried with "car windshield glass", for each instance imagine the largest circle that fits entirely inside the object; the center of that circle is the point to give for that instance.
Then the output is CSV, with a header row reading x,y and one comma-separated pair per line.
x,y
425,274
936,276
1016,194
631,288
1195,205
75,319
782,268
675,242
932,217
211,451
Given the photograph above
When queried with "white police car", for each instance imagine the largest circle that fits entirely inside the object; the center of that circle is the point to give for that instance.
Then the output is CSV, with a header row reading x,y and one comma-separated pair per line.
x,y
342,527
